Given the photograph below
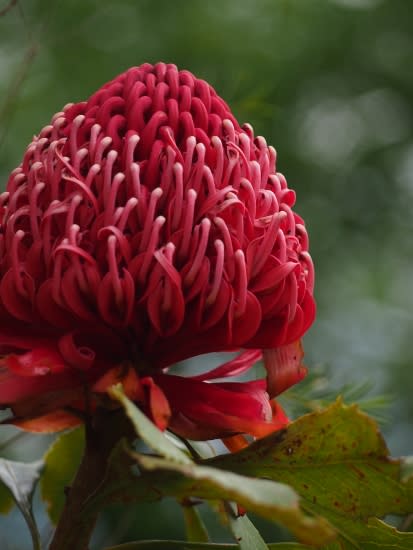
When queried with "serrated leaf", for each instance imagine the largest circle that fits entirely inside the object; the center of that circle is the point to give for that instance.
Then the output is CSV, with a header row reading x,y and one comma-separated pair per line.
x,y
384,537
61,463
271,500
21,478
147,430
338,462
6,499
161,478
372,535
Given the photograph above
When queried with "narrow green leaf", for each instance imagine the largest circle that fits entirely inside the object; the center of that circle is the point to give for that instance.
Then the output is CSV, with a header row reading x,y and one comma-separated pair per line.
x,y
61,463
314,393
194,526
246,534
274,501
6,499
21,478
242,528
147,430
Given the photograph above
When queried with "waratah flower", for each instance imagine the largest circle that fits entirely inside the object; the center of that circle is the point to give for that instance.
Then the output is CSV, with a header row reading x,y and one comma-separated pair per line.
x,y
145,226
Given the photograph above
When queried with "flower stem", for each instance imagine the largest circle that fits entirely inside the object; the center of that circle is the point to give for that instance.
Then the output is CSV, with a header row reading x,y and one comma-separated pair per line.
x,y
102,434
34,532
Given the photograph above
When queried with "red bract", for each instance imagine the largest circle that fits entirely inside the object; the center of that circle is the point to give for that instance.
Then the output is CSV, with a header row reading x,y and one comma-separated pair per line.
x,y
145,226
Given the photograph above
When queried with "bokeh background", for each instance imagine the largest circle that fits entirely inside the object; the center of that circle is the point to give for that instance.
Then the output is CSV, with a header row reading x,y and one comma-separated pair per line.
x,y
330,84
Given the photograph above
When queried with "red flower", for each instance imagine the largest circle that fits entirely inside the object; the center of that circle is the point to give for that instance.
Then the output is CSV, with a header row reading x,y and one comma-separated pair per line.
x,y
145,226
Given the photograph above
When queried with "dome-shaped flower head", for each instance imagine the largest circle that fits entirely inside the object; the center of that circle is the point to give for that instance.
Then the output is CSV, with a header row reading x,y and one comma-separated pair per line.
x,y
145,226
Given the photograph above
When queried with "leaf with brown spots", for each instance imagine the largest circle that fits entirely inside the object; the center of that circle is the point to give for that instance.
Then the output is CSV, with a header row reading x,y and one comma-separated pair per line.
x,y
337,460
173,475
274,501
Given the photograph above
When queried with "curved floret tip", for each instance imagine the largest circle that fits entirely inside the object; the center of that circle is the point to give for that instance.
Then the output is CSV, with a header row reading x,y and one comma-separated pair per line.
x,y
145,226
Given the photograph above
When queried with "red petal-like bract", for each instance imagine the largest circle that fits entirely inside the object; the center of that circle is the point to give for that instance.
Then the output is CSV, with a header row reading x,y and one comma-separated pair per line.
x,y
145,226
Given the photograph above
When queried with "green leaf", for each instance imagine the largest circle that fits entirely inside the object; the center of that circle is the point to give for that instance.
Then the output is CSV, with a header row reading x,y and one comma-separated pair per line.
x,y
274,501
246,534
147,430
372,535
21,478
384,537
194,526
61,463
6,499
315,393
337,461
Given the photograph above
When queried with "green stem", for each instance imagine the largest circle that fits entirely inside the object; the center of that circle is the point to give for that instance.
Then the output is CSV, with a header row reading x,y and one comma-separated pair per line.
x,y
75,528
34,532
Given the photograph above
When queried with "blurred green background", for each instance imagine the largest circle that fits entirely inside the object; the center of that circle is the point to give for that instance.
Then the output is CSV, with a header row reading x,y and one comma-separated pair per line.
x,y
330,84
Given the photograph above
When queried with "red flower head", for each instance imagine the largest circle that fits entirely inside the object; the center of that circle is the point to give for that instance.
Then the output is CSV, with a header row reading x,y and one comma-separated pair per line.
x,y
145,226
